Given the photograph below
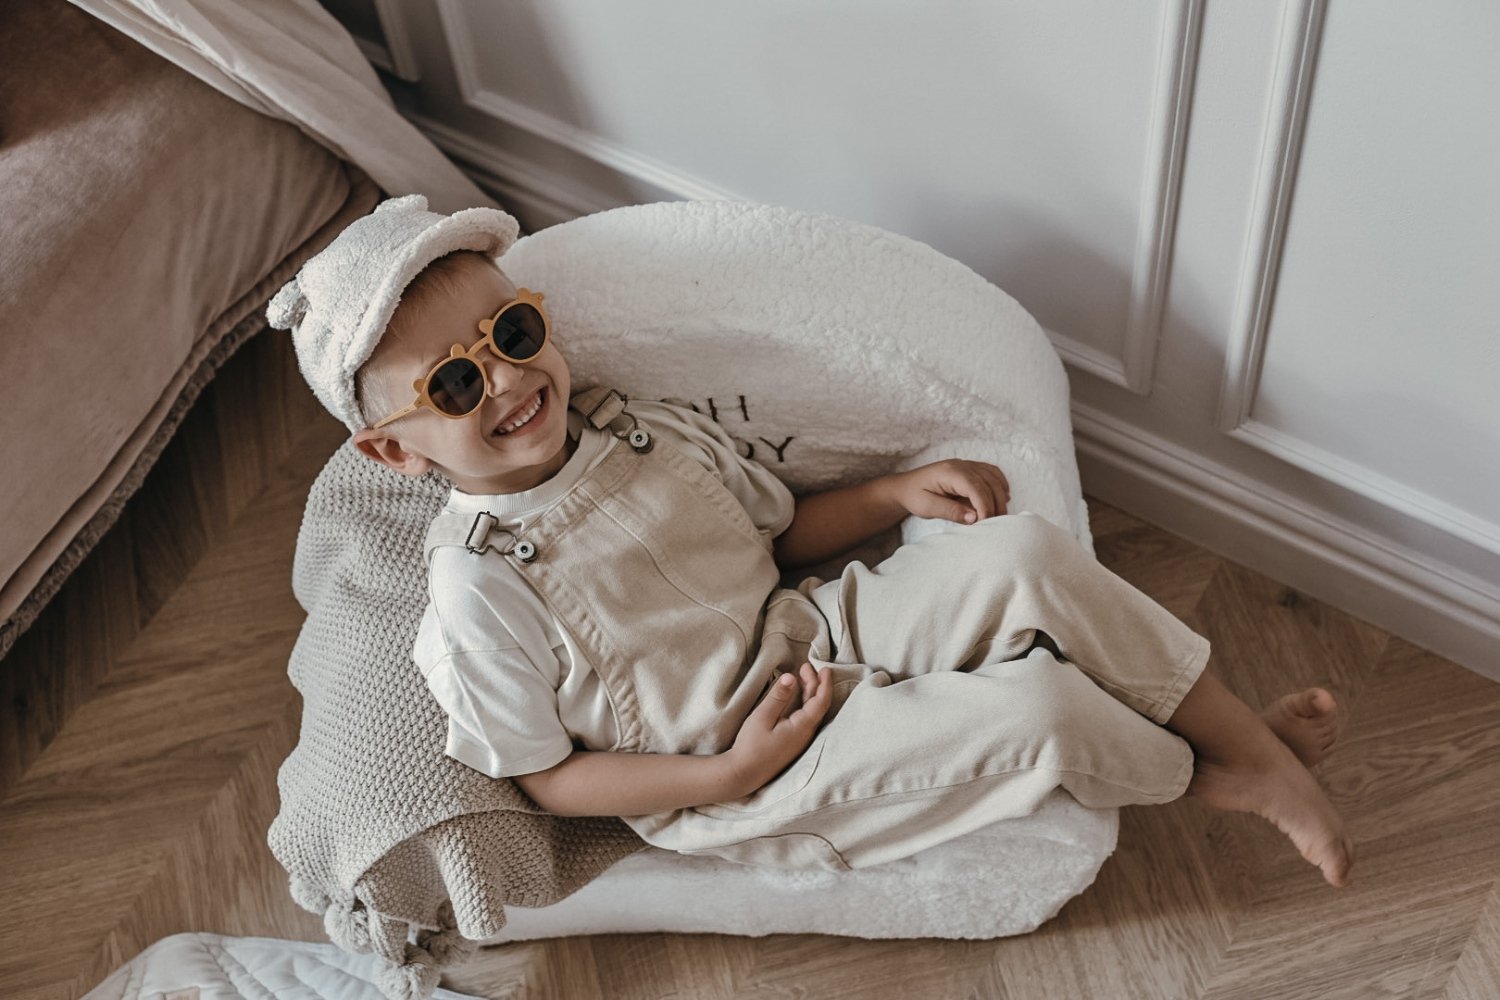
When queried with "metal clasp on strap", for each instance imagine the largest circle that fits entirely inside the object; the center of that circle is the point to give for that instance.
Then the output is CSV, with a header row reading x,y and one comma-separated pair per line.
x,y
478,540
610,411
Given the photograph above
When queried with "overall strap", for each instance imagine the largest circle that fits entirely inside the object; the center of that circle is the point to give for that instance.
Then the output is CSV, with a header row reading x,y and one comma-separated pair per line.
x,y
478,534
604,409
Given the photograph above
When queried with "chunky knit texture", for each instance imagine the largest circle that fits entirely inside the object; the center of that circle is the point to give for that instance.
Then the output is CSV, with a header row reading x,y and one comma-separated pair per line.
x,y
380,830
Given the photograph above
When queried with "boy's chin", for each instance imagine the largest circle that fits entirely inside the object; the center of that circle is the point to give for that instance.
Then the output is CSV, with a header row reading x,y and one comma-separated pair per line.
x,y
511,476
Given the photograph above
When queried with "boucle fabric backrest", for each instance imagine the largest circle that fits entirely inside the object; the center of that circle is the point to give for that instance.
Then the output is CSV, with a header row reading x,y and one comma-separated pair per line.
x,y
831,351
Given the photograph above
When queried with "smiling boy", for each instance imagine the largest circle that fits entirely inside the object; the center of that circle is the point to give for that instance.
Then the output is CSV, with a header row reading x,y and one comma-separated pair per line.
x,y
605,624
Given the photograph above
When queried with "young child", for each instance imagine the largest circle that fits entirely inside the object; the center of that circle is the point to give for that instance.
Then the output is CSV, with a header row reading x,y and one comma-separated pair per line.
x,y
606,628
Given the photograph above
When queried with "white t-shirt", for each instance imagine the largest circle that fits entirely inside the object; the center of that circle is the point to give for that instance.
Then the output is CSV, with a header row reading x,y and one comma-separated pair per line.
x,y
517,689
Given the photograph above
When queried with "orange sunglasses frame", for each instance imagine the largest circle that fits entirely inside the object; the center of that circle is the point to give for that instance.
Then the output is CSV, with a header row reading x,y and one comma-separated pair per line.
x,y
524,296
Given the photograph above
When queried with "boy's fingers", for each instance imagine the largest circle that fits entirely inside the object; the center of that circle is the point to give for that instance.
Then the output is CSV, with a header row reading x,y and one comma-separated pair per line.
x,y
987,504
809,680
1002,488
774,705
993,491
979,494
824,693
813,708
957,510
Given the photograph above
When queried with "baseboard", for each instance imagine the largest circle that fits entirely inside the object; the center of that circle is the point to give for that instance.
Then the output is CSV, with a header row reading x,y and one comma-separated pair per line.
x,y
1336,561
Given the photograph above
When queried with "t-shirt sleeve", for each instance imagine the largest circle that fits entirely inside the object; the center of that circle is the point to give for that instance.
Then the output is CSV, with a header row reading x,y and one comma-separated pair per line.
x,y
502,713
765,498
501,704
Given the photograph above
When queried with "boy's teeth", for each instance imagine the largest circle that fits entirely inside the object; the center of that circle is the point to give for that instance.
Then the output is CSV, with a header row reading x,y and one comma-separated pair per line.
x,y
523,418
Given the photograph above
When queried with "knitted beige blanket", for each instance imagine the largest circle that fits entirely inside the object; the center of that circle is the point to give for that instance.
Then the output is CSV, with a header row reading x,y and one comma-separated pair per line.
x,y
380,830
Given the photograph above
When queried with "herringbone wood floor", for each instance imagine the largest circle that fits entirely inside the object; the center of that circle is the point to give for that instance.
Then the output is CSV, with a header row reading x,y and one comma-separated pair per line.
x,y
147,712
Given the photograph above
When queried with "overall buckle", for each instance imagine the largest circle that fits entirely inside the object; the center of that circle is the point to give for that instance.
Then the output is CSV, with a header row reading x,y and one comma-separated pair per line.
x,y
478,540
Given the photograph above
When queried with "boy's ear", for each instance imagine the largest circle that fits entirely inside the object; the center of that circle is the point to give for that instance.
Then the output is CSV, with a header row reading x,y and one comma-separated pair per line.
x,y
378,446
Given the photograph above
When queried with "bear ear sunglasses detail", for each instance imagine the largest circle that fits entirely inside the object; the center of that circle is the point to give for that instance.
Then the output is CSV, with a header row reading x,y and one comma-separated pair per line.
x,y
457,385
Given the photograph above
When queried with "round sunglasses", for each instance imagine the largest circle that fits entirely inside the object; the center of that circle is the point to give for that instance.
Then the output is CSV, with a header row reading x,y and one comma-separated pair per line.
x,y
457,385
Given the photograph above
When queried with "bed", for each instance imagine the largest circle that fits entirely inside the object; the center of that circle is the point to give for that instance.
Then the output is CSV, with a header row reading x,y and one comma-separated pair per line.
x,y
148,219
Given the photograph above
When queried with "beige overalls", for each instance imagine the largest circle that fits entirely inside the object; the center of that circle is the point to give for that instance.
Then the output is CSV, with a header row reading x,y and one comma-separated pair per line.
x,y
942,721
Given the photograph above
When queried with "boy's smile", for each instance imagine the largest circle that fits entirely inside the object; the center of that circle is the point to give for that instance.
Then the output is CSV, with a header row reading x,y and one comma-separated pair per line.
x,y
517,438
520,421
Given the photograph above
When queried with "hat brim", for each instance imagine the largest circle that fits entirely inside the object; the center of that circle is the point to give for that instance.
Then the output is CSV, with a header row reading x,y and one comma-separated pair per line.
x,y
486,230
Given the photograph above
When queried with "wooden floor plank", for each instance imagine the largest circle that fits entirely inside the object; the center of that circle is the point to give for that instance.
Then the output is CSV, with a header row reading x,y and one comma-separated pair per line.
x,y
1476,974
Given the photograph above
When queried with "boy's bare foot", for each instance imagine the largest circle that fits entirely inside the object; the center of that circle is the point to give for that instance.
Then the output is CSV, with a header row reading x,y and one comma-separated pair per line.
x,y
1307,721
1241,763
1273,783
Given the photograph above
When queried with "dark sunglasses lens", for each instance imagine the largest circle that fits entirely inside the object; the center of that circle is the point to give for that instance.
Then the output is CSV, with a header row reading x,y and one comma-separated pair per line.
x,y
520,332
457,387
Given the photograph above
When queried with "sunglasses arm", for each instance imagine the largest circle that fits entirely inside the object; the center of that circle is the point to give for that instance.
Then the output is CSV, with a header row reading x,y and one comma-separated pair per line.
x,y
396,416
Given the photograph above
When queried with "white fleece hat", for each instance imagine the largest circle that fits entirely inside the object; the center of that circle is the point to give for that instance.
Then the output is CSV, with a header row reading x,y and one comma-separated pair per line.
x,y
338,305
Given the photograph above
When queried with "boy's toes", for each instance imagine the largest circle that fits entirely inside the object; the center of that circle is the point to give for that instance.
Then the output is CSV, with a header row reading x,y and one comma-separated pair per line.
x,y
1306,721
1315,703
1337,862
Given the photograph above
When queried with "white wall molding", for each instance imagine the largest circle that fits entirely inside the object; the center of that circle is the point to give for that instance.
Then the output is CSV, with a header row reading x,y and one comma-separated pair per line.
x,y
1292,529
1093,360
1396,495
403,60
1177,58
537,195
456,30
1256,524
1281,148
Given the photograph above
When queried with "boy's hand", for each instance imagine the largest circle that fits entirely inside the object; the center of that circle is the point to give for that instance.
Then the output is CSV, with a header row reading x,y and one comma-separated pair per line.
x,y
770,738
954,489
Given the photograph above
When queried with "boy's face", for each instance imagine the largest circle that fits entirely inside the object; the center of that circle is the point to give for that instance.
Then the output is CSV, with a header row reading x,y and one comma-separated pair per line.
x,y
475,452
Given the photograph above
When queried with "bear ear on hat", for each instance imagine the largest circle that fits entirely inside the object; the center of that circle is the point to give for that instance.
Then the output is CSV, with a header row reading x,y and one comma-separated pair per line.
x,y
405,202
287,307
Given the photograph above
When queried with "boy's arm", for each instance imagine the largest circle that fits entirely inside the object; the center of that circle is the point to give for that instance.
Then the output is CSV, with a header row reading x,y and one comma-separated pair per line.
x,y
594,783
602,783
825,524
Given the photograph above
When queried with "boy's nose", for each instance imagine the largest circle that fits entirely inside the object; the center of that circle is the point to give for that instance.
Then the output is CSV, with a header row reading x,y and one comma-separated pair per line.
x,y
502,375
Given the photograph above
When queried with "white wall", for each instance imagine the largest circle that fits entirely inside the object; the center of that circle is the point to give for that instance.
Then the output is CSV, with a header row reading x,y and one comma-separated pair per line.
x,y
1262,236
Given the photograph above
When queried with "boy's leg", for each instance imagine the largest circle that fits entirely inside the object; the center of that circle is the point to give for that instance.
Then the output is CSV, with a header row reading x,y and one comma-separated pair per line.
x,y
979,593
905,766
1242,764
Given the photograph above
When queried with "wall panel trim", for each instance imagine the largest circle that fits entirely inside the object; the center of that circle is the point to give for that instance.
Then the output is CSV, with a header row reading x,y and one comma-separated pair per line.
x,y
541,196
457,32
1281,149
1368,483
1177,59
1335,560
